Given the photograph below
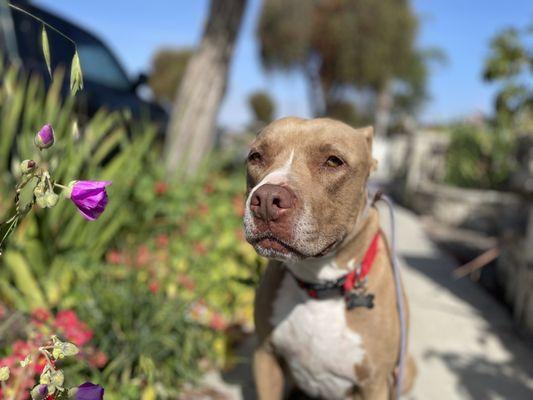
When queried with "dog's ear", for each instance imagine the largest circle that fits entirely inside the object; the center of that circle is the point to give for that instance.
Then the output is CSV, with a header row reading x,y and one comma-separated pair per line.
x,y
374,166
368,133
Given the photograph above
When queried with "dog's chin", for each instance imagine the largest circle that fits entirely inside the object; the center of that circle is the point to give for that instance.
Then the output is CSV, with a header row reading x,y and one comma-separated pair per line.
x,y
275,249
274,254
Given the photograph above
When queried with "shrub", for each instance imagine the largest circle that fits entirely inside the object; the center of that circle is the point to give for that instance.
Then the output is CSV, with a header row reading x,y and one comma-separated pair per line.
x,y
262,107
480,156
159,279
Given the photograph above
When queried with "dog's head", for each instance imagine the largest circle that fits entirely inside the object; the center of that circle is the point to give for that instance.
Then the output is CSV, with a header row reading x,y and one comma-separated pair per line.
x,y
306,186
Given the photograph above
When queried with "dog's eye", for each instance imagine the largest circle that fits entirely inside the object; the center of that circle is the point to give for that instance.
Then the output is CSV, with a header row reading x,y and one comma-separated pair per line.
x,y
334,162
254,156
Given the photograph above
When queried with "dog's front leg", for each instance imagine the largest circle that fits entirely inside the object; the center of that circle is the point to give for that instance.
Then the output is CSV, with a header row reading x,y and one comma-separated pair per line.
x,y
268,375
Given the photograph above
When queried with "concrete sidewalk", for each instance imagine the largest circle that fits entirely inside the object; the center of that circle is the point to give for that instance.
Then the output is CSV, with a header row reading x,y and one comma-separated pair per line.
x,y
462,338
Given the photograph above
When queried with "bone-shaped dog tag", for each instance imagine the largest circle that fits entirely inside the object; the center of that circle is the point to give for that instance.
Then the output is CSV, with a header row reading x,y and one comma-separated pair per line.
x,y
354,300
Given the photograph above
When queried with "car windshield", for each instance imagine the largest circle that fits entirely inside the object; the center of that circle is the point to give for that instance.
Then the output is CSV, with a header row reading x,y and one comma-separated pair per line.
x,y
99,66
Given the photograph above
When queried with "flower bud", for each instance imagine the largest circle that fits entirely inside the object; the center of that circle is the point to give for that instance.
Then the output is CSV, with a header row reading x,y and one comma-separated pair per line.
x,y
45,137
4,374
45,378
41,202
87,391
40,189
27,166
50,199
39,392
57,378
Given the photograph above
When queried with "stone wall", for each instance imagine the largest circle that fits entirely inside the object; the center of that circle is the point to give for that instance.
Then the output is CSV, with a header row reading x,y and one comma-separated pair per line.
x,y
417,166
515,272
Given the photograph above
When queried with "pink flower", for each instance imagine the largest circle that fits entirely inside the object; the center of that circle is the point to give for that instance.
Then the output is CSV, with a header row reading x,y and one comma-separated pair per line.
x,y
114,257
162,241
217,322
199,248
90,197
154,287
98,359
186,282
143,255
160,188
40,315
73,329
45,137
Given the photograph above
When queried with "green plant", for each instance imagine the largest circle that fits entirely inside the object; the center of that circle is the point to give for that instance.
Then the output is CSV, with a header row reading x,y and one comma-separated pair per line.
x,y
510,64
177,273
34,269
159,318
480,156
151,342
168,67
262,106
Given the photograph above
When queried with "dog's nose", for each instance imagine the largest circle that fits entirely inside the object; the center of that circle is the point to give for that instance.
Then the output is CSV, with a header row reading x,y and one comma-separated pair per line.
x,y
269,202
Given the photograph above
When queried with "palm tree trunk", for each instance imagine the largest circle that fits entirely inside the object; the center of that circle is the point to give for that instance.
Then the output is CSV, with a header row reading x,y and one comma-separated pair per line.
x,y
191,132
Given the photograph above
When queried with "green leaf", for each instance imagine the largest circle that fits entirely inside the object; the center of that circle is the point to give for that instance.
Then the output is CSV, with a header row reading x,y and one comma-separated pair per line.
x,y
46,50
24,279
26,361
76,76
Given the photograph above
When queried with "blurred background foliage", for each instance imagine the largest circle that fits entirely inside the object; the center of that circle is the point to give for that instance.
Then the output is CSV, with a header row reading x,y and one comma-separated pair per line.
x,y
159,303
482,154
262,106
168,67
356,55
510,65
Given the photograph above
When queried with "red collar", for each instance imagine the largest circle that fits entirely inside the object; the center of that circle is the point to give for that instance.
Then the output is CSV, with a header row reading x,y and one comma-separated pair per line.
x,y
359,274
345,283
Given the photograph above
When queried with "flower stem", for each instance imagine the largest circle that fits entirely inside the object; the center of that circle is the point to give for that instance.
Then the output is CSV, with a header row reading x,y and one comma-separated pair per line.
x,y
13,224
47,356
60,186
44,23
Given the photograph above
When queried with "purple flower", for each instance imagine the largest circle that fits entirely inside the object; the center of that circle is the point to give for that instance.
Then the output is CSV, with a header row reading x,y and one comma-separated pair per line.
x,y
89,391
45,137
90,197
39,392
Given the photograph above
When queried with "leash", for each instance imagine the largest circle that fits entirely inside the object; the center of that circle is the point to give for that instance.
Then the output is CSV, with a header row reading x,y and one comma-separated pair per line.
x,y
379,196
353,287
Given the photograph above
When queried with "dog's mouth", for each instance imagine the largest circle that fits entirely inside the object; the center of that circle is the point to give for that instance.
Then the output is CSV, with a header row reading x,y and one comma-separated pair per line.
x,y
326,249
268,241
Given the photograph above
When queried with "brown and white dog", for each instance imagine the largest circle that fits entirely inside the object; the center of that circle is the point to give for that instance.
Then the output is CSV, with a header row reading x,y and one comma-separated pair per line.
x,y
308,211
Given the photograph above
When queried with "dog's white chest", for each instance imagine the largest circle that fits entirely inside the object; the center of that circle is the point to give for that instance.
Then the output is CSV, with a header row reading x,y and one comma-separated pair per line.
x,y
315,341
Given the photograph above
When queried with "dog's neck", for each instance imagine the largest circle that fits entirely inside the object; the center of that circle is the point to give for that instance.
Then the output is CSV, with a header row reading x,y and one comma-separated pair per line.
x,y
345,259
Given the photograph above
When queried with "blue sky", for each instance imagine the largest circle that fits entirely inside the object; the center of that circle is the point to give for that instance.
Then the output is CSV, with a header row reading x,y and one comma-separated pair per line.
x,y
462,28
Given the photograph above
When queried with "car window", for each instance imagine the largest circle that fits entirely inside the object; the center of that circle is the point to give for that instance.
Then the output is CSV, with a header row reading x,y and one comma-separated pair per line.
x,y
98,65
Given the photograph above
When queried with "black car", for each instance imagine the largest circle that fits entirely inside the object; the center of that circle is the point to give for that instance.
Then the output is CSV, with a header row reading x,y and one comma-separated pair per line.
x,y
106,83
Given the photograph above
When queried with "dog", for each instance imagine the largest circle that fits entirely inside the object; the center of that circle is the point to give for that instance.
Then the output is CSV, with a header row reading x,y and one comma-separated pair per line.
x,y
322,326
